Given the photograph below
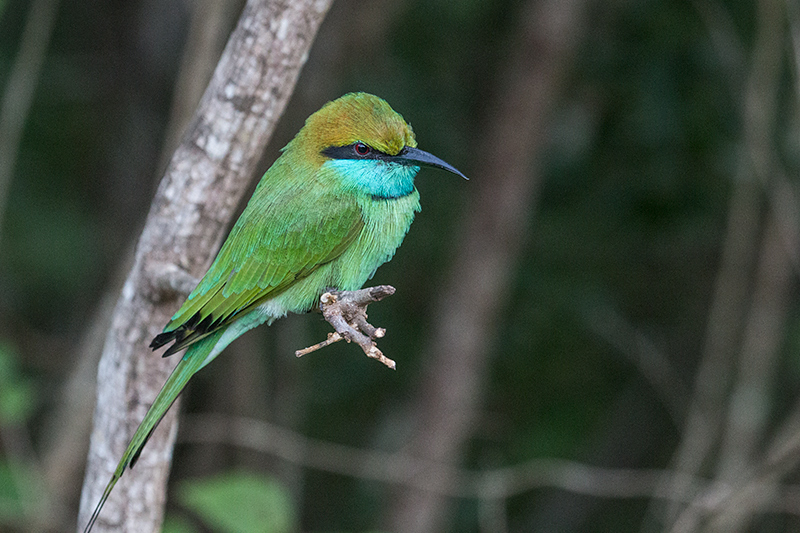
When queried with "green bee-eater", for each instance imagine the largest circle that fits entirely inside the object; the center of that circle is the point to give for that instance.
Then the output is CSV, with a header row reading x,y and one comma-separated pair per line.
x,y
332,208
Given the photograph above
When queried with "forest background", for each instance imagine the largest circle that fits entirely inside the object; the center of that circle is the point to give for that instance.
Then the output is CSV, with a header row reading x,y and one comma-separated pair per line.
x,y
598,332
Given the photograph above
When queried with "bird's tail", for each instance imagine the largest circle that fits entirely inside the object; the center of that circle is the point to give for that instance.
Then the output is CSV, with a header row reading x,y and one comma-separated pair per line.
x,y
191,362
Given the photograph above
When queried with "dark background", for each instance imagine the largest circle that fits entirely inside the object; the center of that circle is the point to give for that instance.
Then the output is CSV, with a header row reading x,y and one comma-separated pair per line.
x,y
642,319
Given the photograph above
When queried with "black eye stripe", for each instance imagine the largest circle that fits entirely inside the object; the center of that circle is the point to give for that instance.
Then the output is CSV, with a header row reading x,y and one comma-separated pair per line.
x,y
355,151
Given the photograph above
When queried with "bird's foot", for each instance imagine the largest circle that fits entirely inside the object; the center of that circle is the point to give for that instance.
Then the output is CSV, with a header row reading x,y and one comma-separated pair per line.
x,y
346,311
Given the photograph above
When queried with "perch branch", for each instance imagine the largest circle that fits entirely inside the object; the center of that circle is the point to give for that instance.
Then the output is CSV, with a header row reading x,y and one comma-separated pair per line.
x,y
346,311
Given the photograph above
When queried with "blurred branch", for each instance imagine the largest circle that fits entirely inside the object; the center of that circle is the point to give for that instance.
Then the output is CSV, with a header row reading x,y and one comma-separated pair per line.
x,y
783,193
756,491
444,479
751,393
654,366
203,184
19,92
748,414
712,396
494,230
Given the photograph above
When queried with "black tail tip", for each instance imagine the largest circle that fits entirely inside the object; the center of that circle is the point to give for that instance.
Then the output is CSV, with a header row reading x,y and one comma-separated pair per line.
x,y
163,338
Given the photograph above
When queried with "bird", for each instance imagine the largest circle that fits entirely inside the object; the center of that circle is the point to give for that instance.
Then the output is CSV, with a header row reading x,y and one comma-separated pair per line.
x,y
333,207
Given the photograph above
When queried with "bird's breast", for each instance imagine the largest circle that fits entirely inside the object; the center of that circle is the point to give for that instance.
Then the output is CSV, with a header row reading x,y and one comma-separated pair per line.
x,y
386,222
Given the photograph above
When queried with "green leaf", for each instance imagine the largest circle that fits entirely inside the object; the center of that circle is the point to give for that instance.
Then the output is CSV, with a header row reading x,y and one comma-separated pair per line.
x,y
17,393
12,506
16,402
177,524
240,502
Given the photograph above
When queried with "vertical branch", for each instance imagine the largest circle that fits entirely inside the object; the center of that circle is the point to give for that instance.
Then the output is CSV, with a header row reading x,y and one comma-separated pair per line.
x,y
787,437
761,340
712,397
752,393
68,427
205,179
712,378
494,230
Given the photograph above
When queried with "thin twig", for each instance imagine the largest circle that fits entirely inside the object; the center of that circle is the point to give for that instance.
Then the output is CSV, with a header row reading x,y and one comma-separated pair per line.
x,y
332,337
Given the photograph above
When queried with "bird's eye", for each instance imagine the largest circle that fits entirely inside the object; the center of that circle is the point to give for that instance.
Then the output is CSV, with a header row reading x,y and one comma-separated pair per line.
x,y
361,148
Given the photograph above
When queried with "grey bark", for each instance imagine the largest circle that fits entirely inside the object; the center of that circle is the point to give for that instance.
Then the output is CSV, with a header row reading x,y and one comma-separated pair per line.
x,y
494,230
204,182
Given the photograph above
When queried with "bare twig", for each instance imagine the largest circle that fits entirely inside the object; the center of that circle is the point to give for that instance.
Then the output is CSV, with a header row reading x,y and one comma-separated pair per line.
x,y
332,337
346,311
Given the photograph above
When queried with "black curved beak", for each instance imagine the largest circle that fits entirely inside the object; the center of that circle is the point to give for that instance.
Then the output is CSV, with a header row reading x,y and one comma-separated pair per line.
x,y
417,157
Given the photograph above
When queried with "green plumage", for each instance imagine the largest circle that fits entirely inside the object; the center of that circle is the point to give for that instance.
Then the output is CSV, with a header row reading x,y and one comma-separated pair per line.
x,y
335,206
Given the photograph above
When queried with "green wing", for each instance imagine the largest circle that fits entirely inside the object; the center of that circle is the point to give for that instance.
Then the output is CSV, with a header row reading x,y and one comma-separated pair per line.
x,y
282,236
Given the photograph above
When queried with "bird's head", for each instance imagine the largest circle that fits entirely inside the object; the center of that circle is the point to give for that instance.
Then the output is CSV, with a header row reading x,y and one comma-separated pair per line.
x,y
368,143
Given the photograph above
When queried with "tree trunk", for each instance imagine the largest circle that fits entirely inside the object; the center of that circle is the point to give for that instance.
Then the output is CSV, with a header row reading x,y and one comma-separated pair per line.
x,y
204,182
